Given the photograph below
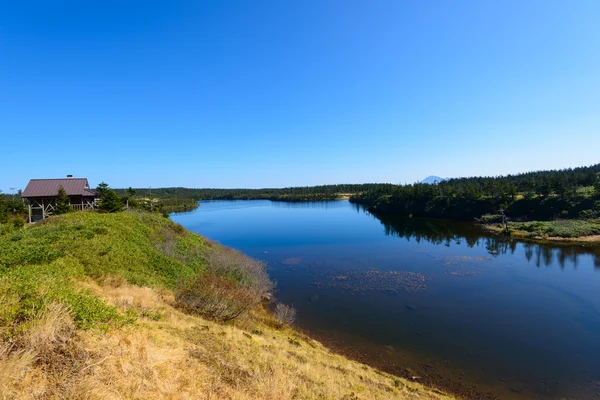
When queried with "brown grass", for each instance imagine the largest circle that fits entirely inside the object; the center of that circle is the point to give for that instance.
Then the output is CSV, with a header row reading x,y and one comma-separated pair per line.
x,y
13,366
180,356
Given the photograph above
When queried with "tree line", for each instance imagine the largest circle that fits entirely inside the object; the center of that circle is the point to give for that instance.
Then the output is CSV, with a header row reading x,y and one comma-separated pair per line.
x,y
300,193
542,195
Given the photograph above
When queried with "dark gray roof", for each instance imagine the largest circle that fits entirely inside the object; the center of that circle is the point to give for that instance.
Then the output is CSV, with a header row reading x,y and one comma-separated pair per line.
x,y
49,187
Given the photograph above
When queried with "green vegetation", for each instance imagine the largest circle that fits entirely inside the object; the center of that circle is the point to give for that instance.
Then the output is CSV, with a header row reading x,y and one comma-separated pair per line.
x,y
558,228
231,285
115,200
544,196
103,305
12,212
182,199
108,199
38,265
62,205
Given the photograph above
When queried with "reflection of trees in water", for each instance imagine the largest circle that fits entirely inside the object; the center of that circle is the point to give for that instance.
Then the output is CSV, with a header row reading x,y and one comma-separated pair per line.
x,y
448,233
312,204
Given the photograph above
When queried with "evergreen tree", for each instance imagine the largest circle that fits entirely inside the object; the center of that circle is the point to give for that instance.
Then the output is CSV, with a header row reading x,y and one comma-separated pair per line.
x,y
63,204
109,199
111,202
129,199
4,208
102,188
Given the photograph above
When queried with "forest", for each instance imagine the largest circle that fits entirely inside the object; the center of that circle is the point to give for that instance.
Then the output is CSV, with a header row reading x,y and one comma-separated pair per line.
x,y
542,195
178,195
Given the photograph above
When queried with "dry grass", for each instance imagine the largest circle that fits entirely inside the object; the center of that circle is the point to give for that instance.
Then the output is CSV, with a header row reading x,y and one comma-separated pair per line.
x,y
13,366
53,329
179,356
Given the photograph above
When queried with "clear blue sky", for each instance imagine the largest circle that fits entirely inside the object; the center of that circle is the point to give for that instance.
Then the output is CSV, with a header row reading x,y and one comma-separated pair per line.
x,y
285,93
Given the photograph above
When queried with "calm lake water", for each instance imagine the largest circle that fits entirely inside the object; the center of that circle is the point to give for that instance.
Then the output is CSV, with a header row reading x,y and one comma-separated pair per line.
x,y
443,301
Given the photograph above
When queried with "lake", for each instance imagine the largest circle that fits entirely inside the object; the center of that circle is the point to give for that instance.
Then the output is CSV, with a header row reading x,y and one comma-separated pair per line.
x,y
443,302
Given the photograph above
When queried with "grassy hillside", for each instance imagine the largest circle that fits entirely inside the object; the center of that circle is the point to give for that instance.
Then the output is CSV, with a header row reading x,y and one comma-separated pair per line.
x,y
91,307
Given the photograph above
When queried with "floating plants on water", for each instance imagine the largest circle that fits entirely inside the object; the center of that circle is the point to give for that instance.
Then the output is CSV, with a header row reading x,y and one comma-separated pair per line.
x,y
292,261
462,265
358,282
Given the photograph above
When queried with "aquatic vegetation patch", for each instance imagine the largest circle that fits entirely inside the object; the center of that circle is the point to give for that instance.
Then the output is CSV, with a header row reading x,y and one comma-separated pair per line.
x,y
462,265
358,282
292,261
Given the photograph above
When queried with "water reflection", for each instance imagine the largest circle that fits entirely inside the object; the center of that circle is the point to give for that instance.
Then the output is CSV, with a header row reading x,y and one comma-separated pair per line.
x,y
449,233
315,204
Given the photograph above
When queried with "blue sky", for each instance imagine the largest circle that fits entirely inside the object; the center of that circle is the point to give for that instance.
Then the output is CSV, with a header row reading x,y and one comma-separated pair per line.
x,y
282,93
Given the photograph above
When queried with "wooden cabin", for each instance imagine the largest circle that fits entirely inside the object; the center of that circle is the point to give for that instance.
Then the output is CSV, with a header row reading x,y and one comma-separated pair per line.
x,y
41,194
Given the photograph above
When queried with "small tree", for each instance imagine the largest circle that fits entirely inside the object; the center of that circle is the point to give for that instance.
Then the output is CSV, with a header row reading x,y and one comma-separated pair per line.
x,y
109,199
63,205
102,188
111,202
129,198
597,187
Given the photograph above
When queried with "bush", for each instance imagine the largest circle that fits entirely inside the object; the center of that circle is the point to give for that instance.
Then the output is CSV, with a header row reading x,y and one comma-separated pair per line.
x,y
587,214
560,228
491,218
248,272
215,297
63,205
231,285
285,314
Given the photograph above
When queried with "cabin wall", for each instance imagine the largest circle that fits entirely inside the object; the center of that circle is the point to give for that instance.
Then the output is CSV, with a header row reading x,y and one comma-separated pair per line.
x,y
42,207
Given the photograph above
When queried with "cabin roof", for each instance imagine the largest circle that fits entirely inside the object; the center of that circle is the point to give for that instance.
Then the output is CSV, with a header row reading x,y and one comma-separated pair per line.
x,y
49,187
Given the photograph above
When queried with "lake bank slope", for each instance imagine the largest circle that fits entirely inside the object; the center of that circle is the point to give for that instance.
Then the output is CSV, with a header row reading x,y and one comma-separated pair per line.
x,y
89,311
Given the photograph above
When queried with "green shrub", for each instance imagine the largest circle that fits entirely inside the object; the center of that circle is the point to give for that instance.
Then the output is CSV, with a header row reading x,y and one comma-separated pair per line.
x,y
40,264
586,214
560,228
26,290
491,218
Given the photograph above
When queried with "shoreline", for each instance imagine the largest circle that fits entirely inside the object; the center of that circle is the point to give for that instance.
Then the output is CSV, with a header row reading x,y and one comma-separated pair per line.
x,y
433,374
515,232
524,235
425,369
133,334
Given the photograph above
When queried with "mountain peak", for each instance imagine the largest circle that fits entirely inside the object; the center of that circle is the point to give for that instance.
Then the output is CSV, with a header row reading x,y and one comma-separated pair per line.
x,y
432,179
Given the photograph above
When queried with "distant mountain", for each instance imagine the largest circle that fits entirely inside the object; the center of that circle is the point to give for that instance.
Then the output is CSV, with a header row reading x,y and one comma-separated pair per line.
x,y
432,179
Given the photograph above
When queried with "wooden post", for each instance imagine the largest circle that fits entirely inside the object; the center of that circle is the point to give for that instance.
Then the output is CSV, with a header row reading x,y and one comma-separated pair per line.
x,y
43,209
29,206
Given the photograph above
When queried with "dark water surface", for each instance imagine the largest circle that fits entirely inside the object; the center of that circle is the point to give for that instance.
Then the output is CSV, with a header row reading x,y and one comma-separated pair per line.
x,y
442,301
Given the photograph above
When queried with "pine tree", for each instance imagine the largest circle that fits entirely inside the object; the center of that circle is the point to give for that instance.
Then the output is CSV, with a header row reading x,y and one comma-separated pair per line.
x,y
110,201
63,204
102,188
